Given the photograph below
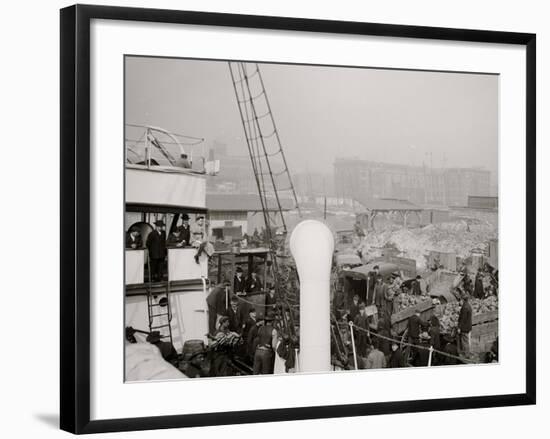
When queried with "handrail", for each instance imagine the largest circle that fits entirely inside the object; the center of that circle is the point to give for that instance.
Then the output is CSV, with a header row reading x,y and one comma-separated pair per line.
x,y
150,141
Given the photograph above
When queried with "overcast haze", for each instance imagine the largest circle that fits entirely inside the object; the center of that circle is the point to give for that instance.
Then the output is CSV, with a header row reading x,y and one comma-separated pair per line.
x,y
327,112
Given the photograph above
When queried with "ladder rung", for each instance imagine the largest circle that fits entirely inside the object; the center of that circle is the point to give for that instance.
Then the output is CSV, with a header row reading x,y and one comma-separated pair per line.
x,y
160,326
159,315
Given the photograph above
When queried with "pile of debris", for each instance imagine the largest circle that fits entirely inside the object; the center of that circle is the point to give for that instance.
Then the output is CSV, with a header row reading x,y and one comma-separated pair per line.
x,y
449,319
460,237
409,300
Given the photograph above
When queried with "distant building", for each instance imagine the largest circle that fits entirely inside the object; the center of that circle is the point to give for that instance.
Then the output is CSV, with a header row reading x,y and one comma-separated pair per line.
x,y
354,178
242,213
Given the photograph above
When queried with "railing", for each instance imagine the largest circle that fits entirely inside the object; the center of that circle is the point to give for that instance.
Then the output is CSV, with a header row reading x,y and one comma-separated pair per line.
x,y
156,147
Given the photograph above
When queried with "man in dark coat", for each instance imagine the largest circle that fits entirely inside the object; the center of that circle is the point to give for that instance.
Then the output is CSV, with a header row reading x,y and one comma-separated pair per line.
x,y
185,229
371,283
175,239
216,305
379,294
415,325
479,291
235,316
464,326
239,283
133,239
156,244
266,339
396,356
360,334
354,308
253,283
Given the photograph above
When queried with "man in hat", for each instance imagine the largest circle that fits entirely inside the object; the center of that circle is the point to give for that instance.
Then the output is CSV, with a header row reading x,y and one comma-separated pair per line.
x,y
415,325
185,230
379,293
360,334
396,356
371,284
199,239
250,322
479,290
266,343
251,338
166,349
253,283
239,283
156,244
236,313
197,231
354,308
464,326
133,239
216,301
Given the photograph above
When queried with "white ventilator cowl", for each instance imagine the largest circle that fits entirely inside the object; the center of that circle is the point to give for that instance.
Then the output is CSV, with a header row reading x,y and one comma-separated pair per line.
x,y
312,245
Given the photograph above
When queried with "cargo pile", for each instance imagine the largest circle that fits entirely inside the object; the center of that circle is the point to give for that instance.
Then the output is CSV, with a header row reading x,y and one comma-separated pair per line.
x,y
449,319
408,300
460,237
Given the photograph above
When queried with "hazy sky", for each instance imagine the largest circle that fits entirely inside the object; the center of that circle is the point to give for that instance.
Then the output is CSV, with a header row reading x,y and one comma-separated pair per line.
x,y
326,112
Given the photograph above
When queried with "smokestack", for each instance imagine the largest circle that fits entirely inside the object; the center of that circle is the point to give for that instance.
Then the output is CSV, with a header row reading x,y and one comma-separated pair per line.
x,y
312,245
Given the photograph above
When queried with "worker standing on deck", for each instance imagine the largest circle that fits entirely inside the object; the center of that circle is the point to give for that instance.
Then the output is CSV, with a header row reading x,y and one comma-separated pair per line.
x,y
371,284
266,344
389,293
185,229
415,325
253,283
354,308
199,239
156,245
235,316
216,302
361,334
479,290
464,326
239,284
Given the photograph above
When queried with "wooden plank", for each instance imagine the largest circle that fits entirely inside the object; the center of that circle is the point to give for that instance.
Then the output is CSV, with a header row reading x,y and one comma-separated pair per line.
x,y
485,317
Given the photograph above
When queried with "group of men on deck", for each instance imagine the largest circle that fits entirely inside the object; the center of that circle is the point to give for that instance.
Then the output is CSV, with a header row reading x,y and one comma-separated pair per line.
x,y
184,235
230,312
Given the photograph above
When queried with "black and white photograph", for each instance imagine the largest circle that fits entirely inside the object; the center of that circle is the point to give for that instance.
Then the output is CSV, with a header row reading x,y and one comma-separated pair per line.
x,y
224,159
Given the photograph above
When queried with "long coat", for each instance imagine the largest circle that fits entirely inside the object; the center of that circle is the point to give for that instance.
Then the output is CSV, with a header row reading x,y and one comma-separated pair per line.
x,y
216,299
465,317
239,284
156,244
371,284
185,234
478,288
379,294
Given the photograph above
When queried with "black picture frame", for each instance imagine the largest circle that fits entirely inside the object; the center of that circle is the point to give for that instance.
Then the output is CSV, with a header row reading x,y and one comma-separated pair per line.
x,y
75,217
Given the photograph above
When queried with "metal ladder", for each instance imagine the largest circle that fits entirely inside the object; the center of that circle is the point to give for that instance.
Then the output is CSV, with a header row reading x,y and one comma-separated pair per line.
x,y
262,137
159,320
268,163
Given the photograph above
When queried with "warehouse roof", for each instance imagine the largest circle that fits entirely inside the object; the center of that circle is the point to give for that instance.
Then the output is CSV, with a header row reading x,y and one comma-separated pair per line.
x,y
387,204
242,203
